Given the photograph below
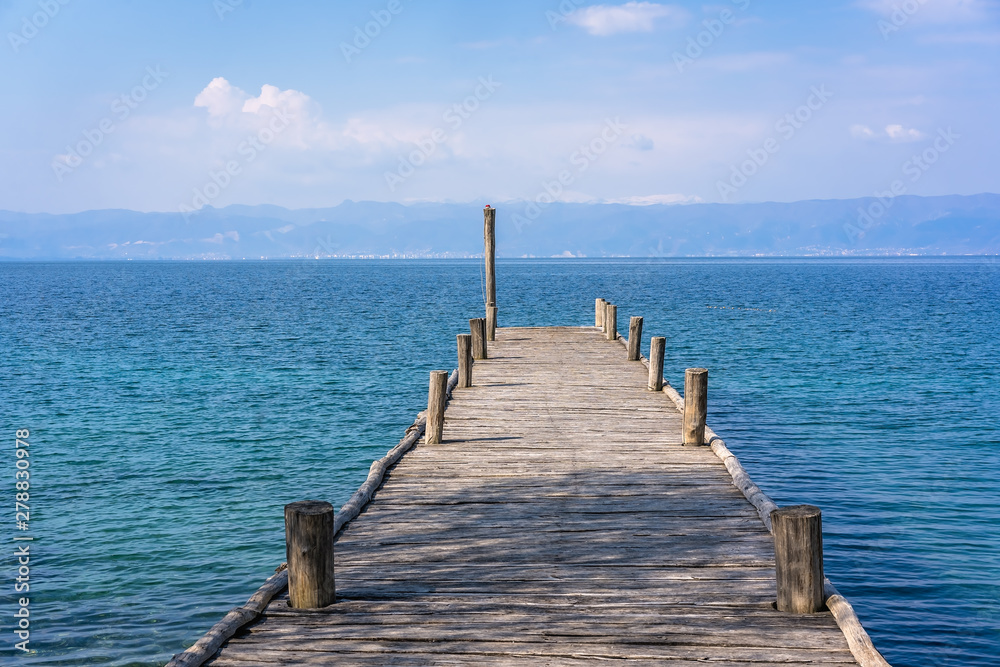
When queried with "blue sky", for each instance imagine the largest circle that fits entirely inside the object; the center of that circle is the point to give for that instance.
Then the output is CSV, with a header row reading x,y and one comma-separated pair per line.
x,y
162,106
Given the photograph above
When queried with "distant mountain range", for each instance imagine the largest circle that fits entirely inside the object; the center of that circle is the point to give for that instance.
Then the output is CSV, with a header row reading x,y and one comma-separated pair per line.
x,y
948,225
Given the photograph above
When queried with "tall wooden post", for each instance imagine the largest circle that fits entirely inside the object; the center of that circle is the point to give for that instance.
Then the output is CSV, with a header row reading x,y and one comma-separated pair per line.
x,y
599,306
491,323
634,337
611,321
490,238
656,347
477,328
464,360
798,555
435,407
695,405
309,553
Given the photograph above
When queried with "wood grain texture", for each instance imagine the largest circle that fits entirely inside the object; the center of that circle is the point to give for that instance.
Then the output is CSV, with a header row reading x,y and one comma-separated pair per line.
x,y
490,247
634,338
309,553
798,552
436,399
657,344
464,344
561,521
695,405
477,329
491,323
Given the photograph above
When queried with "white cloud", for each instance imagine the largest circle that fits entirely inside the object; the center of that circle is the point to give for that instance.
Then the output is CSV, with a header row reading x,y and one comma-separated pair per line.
x,y
603,20
651,200
900,133
895,133
221,98
272,97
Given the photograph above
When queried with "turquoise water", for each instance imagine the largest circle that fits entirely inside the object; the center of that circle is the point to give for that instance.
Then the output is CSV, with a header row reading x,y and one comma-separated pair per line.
x,y
174,408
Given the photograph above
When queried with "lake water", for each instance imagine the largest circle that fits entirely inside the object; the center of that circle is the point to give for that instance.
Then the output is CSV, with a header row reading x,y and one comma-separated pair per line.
x,y
174,408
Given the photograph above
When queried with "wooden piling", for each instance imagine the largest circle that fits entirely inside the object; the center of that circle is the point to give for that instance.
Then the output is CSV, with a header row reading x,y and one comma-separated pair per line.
x,y
656,347
695,405
634,337
436,398
798,553
599,306
309,553
611,321
464,360
491,323
490,239
477,327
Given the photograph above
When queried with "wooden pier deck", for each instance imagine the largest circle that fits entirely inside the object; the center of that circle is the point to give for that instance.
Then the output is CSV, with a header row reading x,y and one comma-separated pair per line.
x,y
560,522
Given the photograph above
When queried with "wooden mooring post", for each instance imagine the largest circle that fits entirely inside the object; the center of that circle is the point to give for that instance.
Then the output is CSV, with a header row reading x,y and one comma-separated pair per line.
x,y
634,337
436,399
798,555
611,321
309,553
599,306
656,346
464,360
477,327
491,323
490,241
695,405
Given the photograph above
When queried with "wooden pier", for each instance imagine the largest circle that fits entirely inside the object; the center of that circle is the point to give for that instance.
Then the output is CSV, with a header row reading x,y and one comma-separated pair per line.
x,y
561,520
557,504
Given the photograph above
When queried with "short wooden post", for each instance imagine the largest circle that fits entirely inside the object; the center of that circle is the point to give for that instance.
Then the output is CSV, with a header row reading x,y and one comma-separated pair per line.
x,y
490,243
491,323
309,553
695,405
435,407
656,347
634,337
464,360
611,321
477,328
599,306
798,555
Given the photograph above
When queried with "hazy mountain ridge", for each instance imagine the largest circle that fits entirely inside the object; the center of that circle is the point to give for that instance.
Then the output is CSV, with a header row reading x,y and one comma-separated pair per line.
x,y
910,224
